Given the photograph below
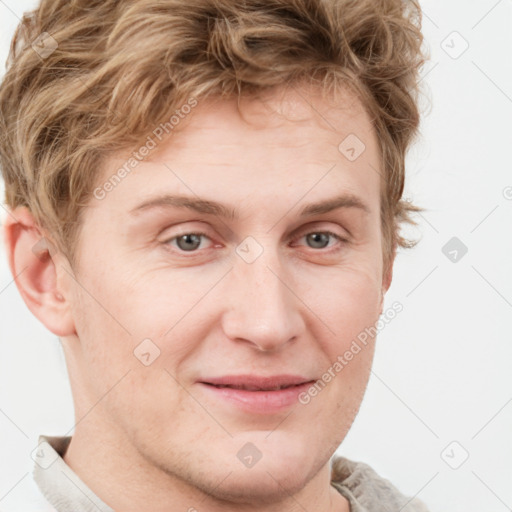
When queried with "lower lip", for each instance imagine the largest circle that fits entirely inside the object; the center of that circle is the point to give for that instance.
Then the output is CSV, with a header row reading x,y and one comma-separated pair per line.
x,y
261,402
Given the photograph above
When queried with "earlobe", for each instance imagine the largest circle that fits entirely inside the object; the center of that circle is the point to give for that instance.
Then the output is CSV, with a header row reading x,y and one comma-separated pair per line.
x,y
387,279
33,260
386,283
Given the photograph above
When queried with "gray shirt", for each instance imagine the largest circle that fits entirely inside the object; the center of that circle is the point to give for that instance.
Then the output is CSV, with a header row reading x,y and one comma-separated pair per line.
x,y
364,489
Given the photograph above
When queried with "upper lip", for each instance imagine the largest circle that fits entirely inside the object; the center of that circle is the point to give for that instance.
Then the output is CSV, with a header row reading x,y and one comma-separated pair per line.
x,y
255,382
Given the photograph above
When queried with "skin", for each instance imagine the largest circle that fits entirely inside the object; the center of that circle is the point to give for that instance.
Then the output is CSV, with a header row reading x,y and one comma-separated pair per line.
x,y
150,437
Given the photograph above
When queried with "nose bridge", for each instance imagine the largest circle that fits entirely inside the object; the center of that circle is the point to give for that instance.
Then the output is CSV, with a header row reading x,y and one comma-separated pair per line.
x,y
263,312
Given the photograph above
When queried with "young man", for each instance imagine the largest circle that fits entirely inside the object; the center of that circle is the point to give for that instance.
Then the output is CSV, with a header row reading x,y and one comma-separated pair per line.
x,y
269,138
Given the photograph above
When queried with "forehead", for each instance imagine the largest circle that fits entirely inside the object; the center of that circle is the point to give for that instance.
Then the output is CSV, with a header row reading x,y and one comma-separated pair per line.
x,y
277,145
291,115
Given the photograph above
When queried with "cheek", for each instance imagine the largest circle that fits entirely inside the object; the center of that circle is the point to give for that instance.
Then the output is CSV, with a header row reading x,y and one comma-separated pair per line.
x,y
350,307
109,321
113,318
350,310
122,309
347,301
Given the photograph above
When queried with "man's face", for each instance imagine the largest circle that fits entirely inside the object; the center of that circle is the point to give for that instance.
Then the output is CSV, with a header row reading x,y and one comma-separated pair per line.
x,y
264,293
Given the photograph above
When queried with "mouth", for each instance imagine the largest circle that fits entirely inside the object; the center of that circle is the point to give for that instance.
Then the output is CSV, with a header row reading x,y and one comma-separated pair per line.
x,y
257,383
256,394
252,388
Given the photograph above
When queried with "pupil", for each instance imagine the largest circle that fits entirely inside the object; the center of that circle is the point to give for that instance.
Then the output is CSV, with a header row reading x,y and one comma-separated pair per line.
x,y
194,239
319,238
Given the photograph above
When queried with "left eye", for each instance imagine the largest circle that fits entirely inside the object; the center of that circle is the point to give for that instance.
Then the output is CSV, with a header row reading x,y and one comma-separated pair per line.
x,y
190,242
320,239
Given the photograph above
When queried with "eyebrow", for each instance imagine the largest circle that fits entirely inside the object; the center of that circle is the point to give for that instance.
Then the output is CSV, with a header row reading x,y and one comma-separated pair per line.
x,y
209,207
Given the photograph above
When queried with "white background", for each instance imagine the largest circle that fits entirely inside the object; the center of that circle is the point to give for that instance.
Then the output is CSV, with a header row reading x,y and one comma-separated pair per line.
x,y
442,366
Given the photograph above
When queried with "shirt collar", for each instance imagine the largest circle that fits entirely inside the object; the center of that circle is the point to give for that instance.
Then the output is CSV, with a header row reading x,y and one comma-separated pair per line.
x,y
58,483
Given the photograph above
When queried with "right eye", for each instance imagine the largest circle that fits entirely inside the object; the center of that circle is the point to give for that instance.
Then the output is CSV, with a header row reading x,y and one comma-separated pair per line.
x,y
188,242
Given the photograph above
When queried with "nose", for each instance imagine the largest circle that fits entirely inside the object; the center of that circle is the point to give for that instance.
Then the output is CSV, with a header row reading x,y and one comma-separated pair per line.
x,y
263,309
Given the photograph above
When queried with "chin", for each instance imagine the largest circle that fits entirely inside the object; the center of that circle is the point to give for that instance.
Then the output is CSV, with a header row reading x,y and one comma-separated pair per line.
x,y
262,486
283,469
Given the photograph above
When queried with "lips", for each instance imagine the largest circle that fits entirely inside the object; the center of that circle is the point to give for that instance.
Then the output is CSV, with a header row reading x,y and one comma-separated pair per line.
x,y
255,395
257,383
254,388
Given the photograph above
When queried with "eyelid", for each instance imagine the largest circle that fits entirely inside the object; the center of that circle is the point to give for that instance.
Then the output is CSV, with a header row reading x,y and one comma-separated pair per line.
x,y
167,241
318,228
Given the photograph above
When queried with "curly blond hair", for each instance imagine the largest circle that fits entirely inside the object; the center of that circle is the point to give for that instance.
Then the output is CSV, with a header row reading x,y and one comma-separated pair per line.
x,y
112,70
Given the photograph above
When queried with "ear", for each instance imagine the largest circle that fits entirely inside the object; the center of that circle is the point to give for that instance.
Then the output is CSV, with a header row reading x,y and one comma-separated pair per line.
x,y
387,277
34,262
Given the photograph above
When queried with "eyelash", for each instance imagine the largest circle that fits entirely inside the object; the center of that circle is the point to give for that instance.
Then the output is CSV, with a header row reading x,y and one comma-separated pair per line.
x,y
339,238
